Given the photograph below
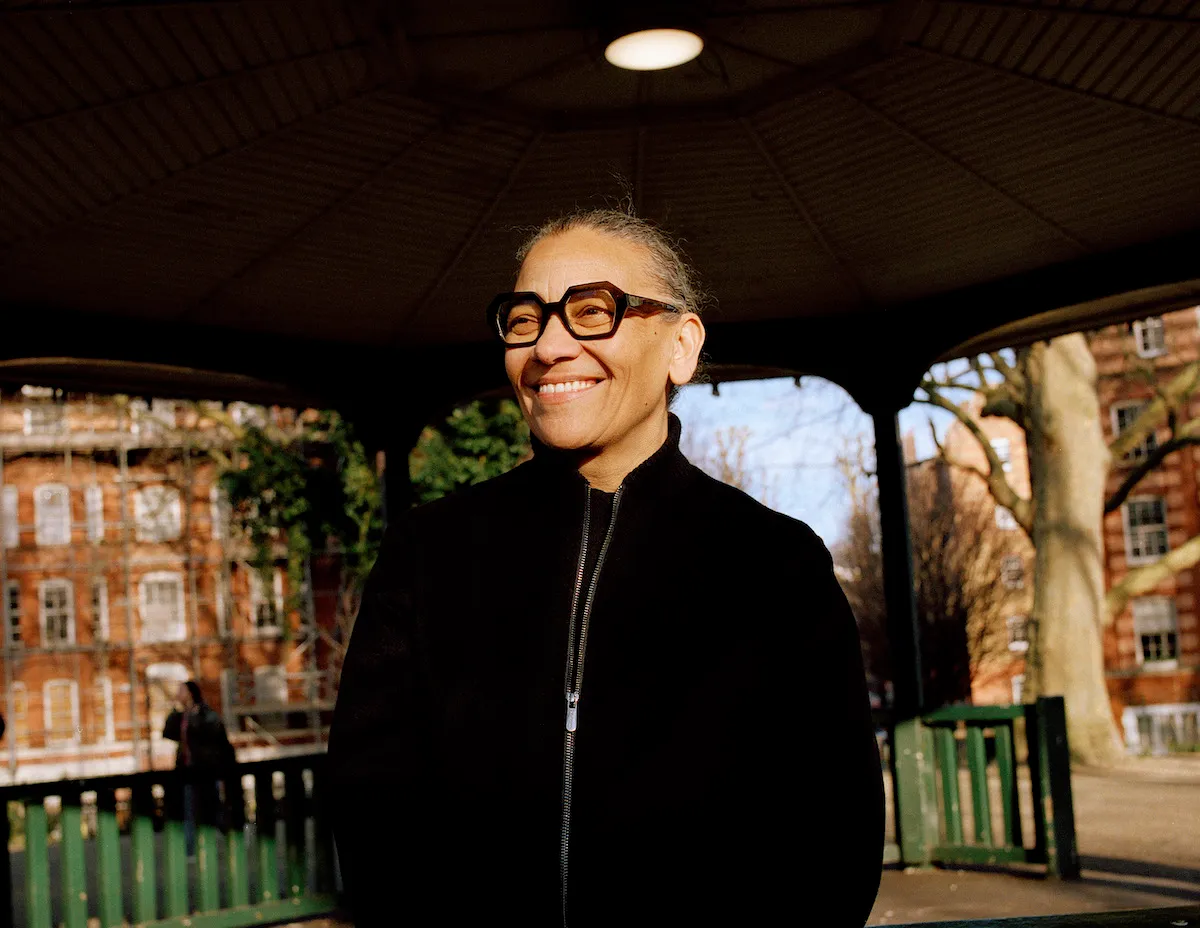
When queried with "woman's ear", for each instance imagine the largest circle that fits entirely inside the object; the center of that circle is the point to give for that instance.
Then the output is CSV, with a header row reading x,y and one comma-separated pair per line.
x,y
685,351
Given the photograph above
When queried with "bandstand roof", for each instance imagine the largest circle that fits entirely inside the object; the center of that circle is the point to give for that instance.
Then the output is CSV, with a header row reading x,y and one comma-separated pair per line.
x,y
311,199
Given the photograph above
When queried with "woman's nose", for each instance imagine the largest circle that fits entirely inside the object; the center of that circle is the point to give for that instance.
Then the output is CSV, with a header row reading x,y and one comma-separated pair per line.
x,y
556,343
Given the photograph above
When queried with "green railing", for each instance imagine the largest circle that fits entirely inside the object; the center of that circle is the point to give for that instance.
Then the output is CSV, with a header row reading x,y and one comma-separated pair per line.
x,y
263,851
933,753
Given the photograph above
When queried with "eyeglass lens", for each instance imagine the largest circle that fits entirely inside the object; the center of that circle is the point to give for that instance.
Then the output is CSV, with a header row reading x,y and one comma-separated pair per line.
x,y
588,312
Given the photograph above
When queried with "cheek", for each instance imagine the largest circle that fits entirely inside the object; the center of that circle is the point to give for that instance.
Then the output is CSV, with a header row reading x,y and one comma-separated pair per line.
x,y
514,364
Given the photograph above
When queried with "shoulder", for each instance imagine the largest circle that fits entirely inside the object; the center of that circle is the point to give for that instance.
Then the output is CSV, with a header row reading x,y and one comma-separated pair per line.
x,y
726,509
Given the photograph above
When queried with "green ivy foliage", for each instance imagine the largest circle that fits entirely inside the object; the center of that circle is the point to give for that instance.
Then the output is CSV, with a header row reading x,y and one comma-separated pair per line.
x,y
483,439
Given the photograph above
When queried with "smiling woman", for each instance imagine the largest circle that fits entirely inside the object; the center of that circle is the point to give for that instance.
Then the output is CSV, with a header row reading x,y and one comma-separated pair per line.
x,y
659,793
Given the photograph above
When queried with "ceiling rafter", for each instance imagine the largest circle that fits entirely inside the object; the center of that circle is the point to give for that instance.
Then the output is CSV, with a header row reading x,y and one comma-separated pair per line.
x,y
108,206
805,213
179,88
1125,16
276,246
1123,105
469,242
918,139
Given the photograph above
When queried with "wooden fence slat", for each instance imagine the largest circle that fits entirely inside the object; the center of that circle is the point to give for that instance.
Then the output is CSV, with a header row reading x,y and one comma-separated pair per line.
x,y
207,838
37,866
108,858
977,767
947,752
235,841
74,865
144,859
1009,788
264,835
294,831
175,848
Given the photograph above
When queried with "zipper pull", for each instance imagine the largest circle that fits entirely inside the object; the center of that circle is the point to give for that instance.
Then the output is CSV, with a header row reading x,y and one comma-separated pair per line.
x,y
572,710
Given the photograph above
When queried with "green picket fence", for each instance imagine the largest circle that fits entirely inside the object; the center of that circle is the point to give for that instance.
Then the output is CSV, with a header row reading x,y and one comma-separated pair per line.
x,y
263,851
979,744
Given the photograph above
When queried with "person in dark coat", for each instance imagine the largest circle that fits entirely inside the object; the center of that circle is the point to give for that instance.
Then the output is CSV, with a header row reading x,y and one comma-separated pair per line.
x,y
717,763
204,752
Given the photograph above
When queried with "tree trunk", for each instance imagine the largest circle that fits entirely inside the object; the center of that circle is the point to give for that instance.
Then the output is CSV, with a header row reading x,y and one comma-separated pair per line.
x,y
1068,460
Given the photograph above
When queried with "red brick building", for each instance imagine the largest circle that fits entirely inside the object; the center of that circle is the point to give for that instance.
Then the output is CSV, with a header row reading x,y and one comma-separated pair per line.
x,y
1152,648
120,579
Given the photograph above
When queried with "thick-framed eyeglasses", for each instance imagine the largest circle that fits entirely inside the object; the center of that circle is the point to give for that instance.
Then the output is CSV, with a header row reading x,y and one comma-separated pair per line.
x,y
588,312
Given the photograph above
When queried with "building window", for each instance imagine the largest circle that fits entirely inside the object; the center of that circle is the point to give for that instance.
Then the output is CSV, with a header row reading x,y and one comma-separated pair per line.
x,y
1145,529
12,529
161,600
1005,520
52,514
61,711
1012,572
153,419
18,717
102,711
1150,337
245,414
1124,415
1018,688
270,691
266,614
219,511
94,500
45,419
12,614
221,603
57,613
1156,630
1003,449
1018,633
100,609
158,513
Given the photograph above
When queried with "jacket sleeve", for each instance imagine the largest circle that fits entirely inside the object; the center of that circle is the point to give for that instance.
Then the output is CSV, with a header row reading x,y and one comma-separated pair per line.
x,y
172,727
380,743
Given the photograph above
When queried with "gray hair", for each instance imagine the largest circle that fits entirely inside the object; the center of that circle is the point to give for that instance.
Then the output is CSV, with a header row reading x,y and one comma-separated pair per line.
x,y
667,261
670,267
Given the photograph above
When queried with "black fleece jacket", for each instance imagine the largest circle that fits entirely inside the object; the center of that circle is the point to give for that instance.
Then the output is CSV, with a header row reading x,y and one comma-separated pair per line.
x,y
725,766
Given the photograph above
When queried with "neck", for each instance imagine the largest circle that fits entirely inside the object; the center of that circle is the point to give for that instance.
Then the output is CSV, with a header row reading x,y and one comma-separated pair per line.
x,y
608,469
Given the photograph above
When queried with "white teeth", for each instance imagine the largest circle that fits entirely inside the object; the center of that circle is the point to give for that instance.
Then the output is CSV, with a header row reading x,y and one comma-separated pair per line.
x,y
568,387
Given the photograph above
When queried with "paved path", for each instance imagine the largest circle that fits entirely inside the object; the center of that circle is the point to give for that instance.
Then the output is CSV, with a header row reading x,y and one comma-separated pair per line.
x,y
1139,839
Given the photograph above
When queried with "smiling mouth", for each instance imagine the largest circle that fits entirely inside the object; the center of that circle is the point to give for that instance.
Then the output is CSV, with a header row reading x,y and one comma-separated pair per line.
x,y
570,386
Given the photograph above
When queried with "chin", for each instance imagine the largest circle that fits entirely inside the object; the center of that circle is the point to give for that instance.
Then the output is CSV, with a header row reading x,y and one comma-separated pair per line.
x,y
563,436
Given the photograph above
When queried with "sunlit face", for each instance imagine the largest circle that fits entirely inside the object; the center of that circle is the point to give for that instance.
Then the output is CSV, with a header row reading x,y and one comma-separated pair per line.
x,y
617,387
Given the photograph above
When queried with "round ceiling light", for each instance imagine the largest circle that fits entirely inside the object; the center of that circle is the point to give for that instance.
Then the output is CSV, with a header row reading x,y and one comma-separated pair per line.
x,y
654,49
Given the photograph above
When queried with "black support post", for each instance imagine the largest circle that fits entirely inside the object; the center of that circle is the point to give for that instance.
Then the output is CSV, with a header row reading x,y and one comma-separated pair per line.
x,y
904,633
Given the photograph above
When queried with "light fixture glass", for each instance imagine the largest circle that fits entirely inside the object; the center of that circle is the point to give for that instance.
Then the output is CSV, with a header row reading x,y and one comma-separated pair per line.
x,y
654,49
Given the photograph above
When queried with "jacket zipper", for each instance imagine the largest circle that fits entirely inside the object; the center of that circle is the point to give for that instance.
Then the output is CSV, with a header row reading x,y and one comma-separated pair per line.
x,y
573,677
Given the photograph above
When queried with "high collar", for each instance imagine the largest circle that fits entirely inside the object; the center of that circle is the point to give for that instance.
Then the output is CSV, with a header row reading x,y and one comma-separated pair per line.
x,y
659,470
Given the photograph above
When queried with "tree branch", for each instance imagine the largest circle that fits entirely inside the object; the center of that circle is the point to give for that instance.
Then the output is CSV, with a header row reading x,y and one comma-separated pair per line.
x,y
1143,579
1001,490
1172,396
1188,435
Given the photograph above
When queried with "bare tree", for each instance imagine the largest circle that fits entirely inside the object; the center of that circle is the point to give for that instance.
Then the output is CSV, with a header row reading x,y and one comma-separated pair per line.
x,y
958,560
1050,390
722,453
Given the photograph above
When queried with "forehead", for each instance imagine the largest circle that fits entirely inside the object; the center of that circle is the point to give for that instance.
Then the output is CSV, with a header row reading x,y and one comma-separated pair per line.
x,y
580,256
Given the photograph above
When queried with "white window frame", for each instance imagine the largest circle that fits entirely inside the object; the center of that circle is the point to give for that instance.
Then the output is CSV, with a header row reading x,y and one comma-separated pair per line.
x,y
1142,450
1017,682
246,414
94,503
100,607
257,602
1150,337
1003,449
1012,572
73,690
1018,643
1155,615
219,512
105,691
178,631
149,505
10,512
221,603
51,526
55,424
1005,520
13,617
1130,557
45,586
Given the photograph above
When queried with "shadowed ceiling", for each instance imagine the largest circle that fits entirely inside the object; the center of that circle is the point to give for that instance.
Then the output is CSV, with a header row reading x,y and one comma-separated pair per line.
x,y
320,196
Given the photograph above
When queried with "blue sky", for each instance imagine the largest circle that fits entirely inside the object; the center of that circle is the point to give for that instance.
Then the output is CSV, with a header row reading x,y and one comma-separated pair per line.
x,y
795,435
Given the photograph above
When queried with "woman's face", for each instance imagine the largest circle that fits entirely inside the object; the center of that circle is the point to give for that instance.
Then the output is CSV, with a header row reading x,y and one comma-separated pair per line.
x,y
620,394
